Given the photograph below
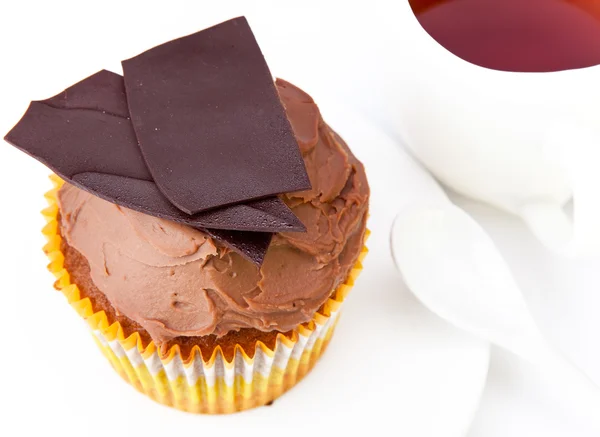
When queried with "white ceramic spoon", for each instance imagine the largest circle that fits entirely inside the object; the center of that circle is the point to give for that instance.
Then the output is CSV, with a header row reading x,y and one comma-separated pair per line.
x,y
454,268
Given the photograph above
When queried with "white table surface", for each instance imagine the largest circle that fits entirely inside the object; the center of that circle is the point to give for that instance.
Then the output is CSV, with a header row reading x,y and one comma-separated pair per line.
x,y
338,49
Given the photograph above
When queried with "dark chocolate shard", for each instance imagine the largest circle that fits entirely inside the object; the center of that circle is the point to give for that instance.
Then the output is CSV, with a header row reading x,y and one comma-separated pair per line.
x,y
209,121
71,141
143,196
85,142
103,91
252,245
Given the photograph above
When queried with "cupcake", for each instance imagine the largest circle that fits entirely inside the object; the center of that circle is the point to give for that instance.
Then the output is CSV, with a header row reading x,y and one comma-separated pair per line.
x,y
206,222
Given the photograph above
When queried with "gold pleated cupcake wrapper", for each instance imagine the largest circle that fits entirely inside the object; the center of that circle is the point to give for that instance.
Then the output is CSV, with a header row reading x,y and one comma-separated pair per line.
x,y
196,384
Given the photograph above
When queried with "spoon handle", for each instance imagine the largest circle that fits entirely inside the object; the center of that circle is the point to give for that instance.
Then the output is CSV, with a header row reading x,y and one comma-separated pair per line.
x,y
580,393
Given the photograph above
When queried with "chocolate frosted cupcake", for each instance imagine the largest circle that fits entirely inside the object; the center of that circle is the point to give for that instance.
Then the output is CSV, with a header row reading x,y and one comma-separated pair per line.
x,y
206,223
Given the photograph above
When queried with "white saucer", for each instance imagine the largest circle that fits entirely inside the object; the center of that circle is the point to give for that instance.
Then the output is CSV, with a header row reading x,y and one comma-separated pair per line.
x,y
410,371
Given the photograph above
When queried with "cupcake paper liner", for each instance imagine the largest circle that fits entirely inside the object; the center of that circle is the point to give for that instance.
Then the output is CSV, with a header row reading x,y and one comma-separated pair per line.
x,y
214,385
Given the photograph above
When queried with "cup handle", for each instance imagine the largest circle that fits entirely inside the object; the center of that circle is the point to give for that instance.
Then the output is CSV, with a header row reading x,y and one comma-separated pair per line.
x,y
550,224
577,151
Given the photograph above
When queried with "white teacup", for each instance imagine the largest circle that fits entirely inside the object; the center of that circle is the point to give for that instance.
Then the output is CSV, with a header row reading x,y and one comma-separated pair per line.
x,y
524,142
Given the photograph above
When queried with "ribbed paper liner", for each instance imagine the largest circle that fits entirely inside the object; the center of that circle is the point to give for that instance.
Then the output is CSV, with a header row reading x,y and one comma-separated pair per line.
x,y
198,385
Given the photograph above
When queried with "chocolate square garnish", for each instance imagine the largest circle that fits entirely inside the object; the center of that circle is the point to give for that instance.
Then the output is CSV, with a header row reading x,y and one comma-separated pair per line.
x,y
209,120
80,136
230,149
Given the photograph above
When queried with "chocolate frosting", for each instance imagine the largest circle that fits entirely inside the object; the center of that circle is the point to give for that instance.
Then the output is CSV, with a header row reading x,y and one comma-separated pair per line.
x,y
177,281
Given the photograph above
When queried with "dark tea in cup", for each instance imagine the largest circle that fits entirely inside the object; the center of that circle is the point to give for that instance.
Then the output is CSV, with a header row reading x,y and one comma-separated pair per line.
x,y
516,35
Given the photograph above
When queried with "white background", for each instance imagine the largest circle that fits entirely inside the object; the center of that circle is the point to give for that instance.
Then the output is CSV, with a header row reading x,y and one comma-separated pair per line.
x,y
337,51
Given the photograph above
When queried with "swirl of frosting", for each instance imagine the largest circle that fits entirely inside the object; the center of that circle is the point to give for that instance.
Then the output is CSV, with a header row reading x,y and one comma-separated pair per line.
x,y
175,281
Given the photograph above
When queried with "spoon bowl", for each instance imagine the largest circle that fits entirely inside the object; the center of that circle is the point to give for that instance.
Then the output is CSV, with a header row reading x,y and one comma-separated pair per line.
x,y
453,267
